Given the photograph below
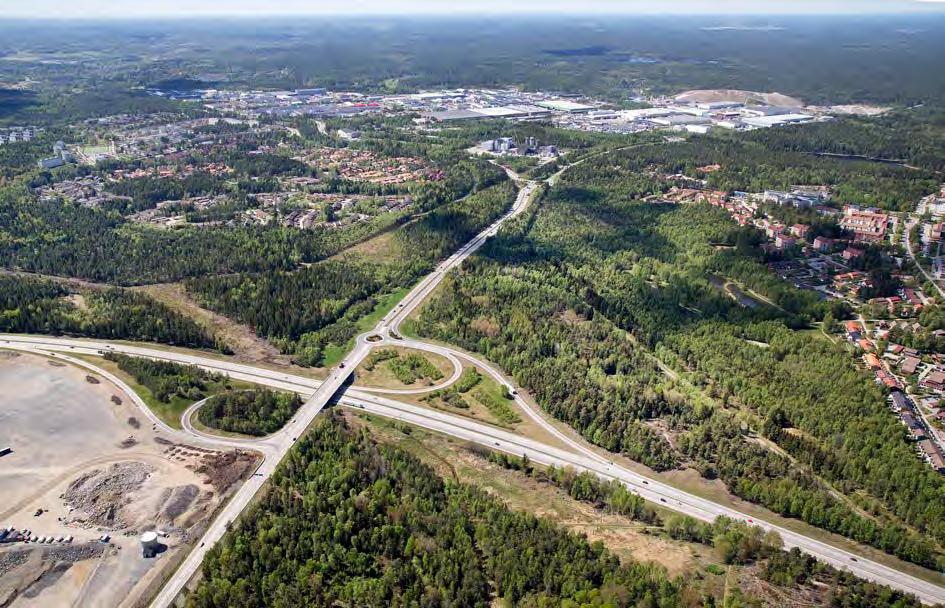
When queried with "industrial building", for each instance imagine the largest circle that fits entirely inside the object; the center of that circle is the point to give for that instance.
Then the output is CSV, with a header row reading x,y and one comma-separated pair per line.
x,y
564,105
520,112
776,120
679,120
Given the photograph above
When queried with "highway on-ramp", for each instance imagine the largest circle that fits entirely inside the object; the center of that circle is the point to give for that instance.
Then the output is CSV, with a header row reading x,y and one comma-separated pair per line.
x,y
456,426
274,447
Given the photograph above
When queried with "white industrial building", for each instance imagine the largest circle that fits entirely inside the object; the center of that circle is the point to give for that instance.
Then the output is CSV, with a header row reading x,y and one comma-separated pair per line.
x,y
777,120
564,105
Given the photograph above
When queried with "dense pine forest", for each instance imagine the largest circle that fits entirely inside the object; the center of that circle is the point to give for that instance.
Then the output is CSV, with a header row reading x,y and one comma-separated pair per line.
x,y
33,305
69,240
167,380
253,412
348,521
604,308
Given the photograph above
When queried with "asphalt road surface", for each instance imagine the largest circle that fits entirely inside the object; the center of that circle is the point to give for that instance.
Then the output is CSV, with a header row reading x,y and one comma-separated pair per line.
x,y
274,446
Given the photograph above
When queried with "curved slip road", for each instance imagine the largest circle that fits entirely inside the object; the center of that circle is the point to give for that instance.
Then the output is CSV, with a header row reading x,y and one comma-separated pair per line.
x,y
454,376
506,441
277,445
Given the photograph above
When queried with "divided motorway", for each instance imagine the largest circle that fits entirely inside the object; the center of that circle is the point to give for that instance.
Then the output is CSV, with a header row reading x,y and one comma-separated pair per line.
x,y
461,428
276,446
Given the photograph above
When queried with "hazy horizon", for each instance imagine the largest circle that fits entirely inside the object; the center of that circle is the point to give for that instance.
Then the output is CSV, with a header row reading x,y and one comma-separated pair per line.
x,y
116,9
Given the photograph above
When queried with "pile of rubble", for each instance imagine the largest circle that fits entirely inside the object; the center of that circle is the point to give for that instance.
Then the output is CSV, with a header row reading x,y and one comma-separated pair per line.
x,y
12,559
74,553
175,502
222,470
99,495
25,572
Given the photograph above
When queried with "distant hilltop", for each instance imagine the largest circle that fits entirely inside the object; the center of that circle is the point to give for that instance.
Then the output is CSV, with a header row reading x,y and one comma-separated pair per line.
x,y
736,96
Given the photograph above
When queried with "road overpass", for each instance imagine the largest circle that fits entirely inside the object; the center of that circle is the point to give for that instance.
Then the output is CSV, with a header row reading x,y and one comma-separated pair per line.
x,y
480,433
320,393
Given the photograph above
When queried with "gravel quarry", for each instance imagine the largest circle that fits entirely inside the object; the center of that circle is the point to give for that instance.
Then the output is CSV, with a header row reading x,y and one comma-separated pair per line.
x,y
99,496
86,463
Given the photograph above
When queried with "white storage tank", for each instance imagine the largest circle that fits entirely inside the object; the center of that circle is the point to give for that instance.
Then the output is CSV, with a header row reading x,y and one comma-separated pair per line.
x,y
149,544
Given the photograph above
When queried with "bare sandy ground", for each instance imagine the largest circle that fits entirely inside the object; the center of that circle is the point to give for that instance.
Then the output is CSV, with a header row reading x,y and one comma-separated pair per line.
x,y
736,96
88,460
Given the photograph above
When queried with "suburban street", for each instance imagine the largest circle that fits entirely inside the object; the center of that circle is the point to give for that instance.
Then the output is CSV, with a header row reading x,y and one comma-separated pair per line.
x,y
910,226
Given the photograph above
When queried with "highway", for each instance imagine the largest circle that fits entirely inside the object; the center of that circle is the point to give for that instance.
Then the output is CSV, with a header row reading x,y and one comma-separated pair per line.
x,y
273,448
279,444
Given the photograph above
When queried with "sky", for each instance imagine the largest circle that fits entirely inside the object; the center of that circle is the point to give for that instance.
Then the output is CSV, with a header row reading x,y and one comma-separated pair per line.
x,y
201,8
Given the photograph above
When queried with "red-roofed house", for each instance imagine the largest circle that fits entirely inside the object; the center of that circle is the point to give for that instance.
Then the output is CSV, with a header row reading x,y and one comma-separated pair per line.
x,y
909,365
910,295
773,230
851,253
800,230
823,244
935,380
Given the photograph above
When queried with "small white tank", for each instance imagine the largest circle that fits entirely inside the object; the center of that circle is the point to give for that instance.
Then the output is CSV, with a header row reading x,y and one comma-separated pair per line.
x,y
150,544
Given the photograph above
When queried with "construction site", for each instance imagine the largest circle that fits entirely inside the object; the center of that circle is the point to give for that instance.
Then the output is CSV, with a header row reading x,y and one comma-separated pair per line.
x,y
99,507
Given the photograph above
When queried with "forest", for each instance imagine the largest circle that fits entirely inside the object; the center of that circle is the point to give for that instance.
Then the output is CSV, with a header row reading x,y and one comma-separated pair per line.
x,y
913,136
604,308
167,380
778,158
306,310
70,240
255,412
348,521
42,306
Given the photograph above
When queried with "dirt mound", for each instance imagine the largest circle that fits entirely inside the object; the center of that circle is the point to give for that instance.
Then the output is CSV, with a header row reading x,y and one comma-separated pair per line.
x,y
26,572
175,502
736,96
223,470
100,495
